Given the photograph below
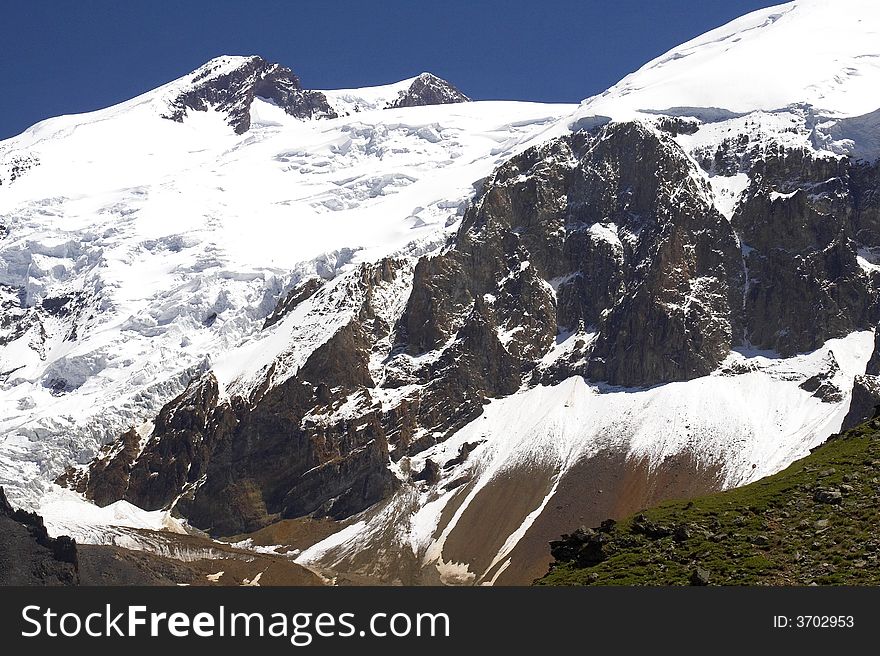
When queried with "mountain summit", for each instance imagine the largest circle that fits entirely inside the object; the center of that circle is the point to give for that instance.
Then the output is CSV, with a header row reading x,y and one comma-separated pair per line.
x,y
230,84
822,53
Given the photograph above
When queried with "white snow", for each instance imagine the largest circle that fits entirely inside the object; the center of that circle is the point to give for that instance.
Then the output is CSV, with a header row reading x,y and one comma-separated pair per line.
x,y
822,52
317,550
67,513
605,232
349,101
727,191
868,260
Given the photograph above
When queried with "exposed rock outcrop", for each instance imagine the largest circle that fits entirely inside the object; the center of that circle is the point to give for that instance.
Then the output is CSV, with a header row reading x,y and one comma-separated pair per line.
x,y
28,556
797,219
303,291
612,230
864,402
235,466
428,89
230,84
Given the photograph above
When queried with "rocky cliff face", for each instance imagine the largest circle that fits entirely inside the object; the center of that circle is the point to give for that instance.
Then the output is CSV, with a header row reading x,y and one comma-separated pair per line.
x,y
428,89
866,391
444,336
28,556
803,221
283,451
231,89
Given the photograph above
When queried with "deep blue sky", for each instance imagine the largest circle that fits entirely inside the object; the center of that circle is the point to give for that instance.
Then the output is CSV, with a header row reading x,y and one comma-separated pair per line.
x,y
65,57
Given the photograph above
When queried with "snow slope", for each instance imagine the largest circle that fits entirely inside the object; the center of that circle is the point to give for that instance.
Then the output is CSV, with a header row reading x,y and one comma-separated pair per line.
x,y
178,238
825,53
349,101
751,424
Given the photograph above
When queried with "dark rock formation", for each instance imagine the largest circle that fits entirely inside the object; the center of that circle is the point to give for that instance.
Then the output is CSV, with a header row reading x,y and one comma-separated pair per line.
x,y
429,89
28,556
799,221
873,367
865,401
822,384
430,472
232,92
12,168
237,465
114,466
700,576
866,390
828,495
303,291
586,546
620,227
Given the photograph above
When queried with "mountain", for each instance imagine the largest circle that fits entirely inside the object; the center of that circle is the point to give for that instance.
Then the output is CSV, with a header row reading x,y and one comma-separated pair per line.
x,y
414,344
811,524
424,89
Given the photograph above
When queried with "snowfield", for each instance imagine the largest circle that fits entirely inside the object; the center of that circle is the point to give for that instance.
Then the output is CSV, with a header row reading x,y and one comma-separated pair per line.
x,y
824,53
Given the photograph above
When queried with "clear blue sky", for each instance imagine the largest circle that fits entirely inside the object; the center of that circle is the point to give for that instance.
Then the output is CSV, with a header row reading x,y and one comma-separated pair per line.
x,y
65,57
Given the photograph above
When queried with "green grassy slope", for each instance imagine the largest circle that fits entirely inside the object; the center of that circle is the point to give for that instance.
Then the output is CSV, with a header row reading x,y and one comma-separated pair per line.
x,y
816,522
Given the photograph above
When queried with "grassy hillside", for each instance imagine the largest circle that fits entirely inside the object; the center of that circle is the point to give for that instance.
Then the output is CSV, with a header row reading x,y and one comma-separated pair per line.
x,y
817,522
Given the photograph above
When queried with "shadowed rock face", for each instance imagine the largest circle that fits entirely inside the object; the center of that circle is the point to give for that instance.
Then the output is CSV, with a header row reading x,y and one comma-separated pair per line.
x,y
607,240
237,465
610,231
28,556
803,220
873,368
865,401
232,93
429,89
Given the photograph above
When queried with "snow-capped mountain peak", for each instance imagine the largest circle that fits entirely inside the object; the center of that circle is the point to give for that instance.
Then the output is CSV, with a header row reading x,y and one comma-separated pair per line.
x,y
141,242
825,53
230,85
423,89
